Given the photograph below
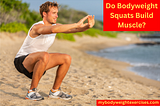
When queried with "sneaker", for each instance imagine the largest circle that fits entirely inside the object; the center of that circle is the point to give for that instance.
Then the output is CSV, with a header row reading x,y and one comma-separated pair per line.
x,y
34,95
59,94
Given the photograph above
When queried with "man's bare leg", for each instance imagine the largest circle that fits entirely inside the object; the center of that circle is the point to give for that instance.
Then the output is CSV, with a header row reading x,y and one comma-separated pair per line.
x,y
39,62
64,62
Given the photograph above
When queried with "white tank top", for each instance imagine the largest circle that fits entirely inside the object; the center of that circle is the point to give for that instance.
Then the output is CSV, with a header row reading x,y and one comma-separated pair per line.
x,y
40,43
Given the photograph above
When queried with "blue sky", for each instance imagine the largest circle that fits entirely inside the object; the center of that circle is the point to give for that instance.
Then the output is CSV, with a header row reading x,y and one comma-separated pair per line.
x,y
92,7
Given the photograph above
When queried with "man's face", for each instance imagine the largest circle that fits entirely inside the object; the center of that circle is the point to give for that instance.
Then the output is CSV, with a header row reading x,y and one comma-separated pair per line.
x,y
52,15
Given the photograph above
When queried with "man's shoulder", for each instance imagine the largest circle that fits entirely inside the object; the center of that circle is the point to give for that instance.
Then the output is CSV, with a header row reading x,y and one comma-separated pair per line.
x,y
37,24
40,22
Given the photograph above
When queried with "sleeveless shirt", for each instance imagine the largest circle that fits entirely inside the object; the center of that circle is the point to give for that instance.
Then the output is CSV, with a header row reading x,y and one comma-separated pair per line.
x,y
40,43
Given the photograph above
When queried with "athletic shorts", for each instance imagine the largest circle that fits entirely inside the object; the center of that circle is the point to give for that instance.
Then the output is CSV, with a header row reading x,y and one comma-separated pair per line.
x,y
19,66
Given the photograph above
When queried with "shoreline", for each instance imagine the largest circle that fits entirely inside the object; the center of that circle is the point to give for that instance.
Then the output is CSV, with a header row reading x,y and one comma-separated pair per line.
x,y
88,79
125,72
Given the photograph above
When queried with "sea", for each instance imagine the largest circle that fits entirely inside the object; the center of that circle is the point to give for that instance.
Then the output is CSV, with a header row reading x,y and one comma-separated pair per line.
x,y
144,58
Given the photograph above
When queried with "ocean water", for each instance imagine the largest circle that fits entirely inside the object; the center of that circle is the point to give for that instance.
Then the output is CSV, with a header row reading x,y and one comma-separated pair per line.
x,y
145,59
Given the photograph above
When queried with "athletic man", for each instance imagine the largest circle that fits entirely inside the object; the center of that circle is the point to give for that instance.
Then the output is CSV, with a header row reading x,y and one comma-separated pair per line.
x,y
33,60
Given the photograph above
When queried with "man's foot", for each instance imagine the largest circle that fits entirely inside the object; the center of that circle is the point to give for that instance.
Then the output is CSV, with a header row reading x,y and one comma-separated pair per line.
x,y
59,94
34,95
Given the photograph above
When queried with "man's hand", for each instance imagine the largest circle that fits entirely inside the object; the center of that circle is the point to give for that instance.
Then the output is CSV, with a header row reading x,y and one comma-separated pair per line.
x,y
81,22
91,21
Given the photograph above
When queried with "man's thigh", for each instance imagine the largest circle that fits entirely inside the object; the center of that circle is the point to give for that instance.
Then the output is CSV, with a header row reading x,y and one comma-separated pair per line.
x,y
56,59
31,60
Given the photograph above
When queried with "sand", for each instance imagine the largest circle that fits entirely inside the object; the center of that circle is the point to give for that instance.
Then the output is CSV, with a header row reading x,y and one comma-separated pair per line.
x,y
88,79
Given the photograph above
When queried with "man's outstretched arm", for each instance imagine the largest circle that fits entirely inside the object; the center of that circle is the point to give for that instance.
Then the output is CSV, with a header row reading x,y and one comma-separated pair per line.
x,y
77,29
43,29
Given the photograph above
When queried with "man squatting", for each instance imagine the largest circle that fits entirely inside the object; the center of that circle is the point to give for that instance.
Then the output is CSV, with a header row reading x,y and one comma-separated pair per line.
x,y
33,60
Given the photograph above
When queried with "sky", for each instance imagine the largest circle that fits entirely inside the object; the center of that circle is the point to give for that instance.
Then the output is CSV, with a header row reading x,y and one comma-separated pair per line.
x,y
92,7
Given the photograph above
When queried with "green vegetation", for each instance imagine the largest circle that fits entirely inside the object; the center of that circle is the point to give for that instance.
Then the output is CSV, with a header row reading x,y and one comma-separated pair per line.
x,y
13,27
69,36
91,32
140,32
16,11
95,32
15,16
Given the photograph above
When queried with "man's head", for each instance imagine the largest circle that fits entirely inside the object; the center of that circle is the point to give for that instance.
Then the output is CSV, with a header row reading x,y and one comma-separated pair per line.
x,y
49,10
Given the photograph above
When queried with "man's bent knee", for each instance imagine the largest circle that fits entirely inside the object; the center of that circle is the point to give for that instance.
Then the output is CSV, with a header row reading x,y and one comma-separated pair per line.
x,y
67,59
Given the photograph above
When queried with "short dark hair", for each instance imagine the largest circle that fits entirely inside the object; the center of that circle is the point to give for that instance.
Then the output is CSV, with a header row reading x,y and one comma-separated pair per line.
x,y
46,6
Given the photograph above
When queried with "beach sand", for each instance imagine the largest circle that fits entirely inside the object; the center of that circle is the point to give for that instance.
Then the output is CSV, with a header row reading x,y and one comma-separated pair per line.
x,y
88,79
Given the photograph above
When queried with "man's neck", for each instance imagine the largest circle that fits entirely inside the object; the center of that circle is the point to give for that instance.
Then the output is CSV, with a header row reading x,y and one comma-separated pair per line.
x,y
46,22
